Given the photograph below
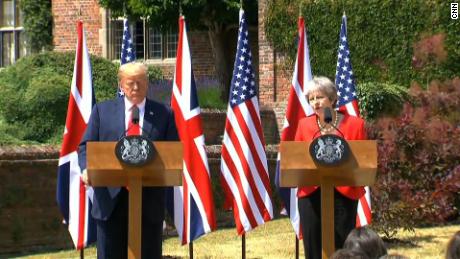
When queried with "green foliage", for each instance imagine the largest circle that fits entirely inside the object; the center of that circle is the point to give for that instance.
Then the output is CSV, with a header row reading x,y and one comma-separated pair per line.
x,y
210,98
35,92
383,37
199,13
419,161
154,73
380,99
38,24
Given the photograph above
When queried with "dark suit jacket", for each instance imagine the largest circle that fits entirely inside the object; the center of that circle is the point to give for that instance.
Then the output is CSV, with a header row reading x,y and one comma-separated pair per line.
x,y
107,123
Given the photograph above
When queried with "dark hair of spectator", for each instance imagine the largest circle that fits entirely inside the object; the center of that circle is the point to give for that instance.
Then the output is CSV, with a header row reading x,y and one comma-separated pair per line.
x,y
349,254
453,248
366,240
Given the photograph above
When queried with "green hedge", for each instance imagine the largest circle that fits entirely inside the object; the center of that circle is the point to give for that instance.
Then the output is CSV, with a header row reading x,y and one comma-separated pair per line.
x,y
35,93
381,35
381,99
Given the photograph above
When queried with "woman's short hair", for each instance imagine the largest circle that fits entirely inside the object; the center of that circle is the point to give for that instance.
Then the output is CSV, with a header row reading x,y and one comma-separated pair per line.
x,y
366,240
323,85
453,248
132,69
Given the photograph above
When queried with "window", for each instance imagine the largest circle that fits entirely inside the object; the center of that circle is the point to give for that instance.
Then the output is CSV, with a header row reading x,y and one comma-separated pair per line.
x,y
13,43
150,43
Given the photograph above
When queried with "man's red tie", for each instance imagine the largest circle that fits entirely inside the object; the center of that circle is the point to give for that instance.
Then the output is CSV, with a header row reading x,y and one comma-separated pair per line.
x,y
133,129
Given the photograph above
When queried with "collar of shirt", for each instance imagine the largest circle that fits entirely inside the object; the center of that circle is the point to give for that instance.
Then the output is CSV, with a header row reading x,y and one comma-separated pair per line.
x,y
128,106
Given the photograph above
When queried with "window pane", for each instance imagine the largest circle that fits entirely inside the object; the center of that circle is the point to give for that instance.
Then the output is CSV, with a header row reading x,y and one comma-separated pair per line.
x,y
139,39
171,44
117,38
155,46
8,49
22,44
7,19
19,15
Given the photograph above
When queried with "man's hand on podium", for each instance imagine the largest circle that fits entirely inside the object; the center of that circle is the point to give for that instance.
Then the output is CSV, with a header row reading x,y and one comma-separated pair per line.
x,y
84,177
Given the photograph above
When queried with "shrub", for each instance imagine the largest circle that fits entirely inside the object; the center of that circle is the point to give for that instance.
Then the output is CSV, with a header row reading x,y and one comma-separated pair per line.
x,y
419,160
380,99
35,93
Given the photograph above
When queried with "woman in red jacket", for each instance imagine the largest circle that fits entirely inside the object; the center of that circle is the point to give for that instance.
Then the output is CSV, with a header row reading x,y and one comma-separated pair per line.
x,y
322,93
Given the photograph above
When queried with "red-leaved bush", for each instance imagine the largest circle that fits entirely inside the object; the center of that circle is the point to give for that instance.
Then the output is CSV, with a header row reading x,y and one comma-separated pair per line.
x,y
418,180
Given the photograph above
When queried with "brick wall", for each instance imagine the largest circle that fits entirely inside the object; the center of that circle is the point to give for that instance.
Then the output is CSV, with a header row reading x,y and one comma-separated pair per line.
x,y
66,14
274,76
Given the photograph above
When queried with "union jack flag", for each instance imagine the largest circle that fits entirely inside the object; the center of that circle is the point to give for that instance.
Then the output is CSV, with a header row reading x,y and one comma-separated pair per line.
x,y
193,210
74,200
297,109
128,52
244,163
348,103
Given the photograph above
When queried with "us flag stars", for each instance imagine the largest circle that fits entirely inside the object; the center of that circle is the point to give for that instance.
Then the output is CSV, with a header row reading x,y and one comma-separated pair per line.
x,y
243,80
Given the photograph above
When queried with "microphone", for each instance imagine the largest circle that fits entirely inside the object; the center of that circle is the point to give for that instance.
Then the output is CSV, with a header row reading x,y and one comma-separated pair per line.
x,y
328,115
135,120
135,115
328,119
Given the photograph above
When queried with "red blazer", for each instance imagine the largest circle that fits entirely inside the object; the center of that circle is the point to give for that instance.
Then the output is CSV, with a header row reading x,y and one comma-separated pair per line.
x,y
352,129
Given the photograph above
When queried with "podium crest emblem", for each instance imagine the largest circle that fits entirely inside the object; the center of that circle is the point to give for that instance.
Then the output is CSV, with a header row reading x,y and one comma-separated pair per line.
x,y
134,150
329,150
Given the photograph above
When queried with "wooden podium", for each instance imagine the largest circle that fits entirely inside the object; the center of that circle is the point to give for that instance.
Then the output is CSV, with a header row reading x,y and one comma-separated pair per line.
x,y
104,170
299,169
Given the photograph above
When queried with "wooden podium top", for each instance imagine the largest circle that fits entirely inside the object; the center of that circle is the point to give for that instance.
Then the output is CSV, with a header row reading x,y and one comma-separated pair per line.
x,y
165,169
299,169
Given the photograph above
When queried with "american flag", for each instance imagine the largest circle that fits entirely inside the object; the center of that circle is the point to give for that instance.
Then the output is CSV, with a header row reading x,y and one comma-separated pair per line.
x,y
244,163
128,52
297,109
193,209
73,199
348,103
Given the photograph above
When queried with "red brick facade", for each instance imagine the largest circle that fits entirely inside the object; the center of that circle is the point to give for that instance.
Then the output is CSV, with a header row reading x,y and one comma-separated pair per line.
x,y
66,14
274,79
95,20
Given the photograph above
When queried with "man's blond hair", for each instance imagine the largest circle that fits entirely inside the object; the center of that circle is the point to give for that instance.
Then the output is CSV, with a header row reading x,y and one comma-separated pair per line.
x,y
132,69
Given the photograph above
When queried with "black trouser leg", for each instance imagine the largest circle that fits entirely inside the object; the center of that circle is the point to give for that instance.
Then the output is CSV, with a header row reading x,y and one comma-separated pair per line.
x,y
310,218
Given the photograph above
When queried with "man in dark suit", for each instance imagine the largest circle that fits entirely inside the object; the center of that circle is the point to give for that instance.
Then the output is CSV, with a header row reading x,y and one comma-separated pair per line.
x,y
109,121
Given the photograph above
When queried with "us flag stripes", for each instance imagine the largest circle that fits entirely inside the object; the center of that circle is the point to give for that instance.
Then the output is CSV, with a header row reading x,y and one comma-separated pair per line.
x,y
194,213
244,163
74,200
348,103
297,108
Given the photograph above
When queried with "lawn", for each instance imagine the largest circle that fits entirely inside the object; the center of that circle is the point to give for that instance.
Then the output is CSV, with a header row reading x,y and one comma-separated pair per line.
x,y
276,240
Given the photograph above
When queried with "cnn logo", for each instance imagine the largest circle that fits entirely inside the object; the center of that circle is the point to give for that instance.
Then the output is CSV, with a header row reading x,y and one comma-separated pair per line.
x,y
454,11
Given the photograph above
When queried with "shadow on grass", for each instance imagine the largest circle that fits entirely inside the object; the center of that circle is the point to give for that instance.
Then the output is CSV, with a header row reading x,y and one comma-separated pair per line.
x,y
410,242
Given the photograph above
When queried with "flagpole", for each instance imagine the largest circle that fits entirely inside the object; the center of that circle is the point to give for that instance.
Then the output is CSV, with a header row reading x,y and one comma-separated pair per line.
x,y
190,249
243,246
296,247
82,250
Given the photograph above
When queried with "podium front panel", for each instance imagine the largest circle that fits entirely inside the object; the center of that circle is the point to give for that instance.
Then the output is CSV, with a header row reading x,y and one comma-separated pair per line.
x,y
104,169
299,169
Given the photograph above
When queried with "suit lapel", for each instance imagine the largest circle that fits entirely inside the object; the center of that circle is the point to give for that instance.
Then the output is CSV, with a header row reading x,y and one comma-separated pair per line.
x,y
120,116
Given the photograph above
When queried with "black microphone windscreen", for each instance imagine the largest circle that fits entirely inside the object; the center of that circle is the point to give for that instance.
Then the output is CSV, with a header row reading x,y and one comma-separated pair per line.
x,y
327,115
135,115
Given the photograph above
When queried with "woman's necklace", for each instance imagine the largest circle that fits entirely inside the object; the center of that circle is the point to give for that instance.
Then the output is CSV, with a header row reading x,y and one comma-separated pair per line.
x,y
325,130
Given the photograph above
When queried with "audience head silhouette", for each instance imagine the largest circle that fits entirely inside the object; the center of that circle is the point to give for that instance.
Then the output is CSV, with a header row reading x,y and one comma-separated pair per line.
x,y
366,240
453,248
